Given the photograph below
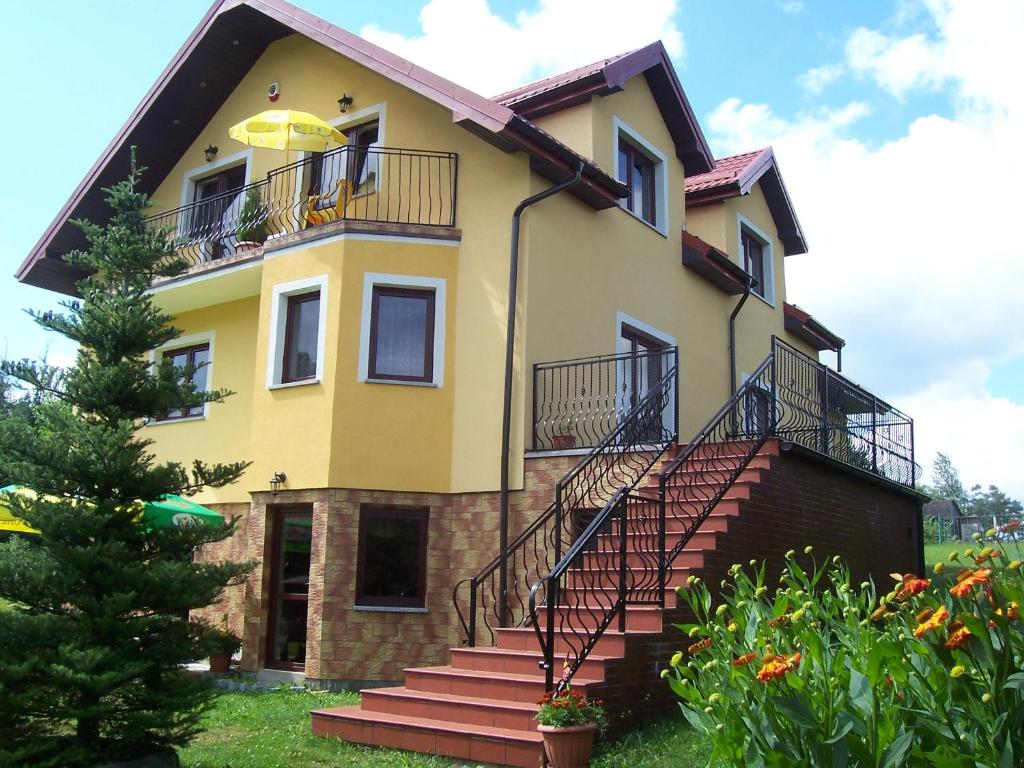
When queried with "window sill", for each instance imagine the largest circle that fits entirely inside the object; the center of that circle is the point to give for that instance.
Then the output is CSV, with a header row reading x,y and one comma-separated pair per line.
x,y
644,221
182,420
289,384
433,384
769,302
388,609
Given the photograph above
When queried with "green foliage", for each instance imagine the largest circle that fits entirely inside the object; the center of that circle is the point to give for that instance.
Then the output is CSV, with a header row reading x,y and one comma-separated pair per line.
x,y
993,503
567,708
819,672
252,219
94,646
947,482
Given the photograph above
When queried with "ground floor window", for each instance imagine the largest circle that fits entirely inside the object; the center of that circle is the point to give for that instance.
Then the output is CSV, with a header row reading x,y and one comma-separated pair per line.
x,y
392,561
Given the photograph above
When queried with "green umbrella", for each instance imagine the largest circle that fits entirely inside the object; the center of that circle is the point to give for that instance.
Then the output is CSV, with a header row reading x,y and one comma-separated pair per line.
x,y
171,510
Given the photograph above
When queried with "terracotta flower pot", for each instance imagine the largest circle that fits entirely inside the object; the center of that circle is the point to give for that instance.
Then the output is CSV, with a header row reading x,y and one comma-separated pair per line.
x,y
220,663
568,747
563,442
247,245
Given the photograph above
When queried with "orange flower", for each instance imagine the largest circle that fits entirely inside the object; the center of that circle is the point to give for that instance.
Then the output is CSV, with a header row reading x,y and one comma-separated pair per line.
x,y
958,637
967,581
988,556
701,646
912,586
923,615
1012,612
883,611
742,661
935,621
1010,527
773,623
777,666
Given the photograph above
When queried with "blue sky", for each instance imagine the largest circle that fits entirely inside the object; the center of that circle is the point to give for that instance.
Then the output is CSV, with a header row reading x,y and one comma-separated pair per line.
x,y
876,110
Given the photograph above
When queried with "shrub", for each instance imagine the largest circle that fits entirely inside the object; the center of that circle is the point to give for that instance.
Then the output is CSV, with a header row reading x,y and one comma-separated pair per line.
x,y
820,672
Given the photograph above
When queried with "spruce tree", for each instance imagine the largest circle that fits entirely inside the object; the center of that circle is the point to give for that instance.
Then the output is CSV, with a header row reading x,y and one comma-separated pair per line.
x,y
91,655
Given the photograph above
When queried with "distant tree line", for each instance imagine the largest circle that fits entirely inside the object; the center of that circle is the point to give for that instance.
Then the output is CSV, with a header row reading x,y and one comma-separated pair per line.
x,y
976,502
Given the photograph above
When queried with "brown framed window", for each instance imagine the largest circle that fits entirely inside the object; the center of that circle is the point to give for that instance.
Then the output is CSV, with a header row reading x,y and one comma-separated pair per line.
x,y
192,363
392,559
291,538
301,337
753,261
348,163
637,172
402,334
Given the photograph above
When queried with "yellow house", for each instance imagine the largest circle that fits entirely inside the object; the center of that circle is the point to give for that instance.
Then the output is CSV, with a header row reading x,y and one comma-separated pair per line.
x,y
406,439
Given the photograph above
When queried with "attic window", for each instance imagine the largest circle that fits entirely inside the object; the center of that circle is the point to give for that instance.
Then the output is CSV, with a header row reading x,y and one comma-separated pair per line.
x,y
756,255
642,168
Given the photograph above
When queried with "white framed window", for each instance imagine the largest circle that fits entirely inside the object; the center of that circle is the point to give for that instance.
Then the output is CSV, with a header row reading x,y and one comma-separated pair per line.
x,y
298,323
401,338
756,258
643,168
192,353
355,168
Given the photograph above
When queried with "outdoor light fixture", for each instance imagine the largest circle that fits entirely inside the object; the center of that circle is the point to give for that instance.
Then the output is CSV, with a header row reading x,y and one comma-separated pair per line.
x,y
344,102
276,482
210,152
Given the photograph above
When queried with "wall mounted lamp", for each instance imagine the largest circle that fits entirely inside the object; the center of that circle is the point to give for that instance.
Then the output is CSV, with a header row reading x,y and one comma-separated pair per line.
x,y
276,482
210,152
344,102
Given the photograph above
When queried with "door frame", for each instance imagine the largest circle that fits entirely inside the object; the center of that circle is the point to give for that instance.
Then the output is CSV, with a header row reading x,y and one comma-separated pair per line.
x,y
622,346
277,512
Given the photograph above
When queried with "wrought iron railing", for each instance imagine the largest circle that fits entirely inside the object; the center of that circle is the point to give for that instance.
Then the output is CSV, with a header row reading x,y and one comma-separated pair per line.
x,y
577,402
828,413
372,184
623,556
621,459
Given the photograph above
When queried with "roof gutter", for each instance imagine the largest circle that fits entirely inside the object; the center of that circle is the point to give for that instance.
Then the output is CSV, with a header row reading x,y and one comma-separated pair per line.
x,y
506,413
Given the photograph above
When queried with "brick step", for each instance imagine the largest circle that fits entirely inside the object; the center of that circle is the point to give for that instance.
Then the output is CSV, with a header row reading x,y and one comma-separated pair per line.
x,y
702,539
706,463
514,715
512,662
639,618
467,682
717,521
639,559
704,492
714,477
726,449
611,643
600,578
465,741
610,592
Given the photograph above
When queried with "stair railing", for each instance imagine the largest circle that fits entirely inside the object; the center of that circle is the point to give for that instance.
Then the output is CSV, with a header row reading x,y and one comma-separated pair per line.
x,y
620,460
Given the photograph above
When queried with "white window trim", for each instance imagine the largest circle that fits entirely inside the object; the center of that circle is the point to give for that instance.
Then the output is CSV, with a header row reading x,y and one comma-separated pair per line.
x,y
193,175
279,322
742,222
191,340
622,346
621,129
437,285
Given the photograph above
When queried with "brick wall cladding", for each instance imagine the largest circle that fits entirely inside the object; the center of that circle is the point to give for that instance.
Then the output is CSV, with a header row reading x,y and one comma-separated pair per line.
x,y
228,612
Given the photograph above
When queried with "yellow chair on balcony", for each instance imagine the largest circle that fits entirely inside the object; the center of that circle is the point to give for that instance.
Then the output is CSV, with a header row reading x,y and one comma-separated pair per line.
x,y
318,209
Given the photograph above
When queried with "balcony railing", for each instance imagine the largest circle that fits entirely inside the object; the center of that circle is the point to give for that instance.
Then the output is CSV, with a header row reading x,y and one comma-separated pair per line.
x,y
576,403
370,184
825,412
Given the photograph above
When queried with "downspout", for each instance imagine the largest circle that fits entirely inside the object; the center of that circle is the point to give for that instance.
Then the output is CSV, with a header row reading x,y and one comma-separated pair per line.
x,y
750,282
506,413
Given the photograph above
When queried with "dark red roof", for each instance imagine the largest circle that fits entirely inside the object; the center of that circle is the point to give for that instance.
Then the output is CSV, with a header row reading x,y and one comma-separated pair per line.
x,y
735,175
801,324
523,92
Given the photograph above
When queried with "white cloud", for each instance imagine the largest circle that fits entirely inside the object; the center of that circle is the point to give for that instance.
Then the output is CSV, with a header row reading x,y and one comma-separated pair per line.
x,y
467,42
817,79
792,6
913,256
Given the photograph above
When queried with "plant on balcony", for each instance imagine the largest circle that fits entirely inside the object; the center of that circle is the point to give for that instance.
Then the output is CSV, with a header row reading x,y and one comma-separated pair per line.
x,y
563,436
822,673
252,229
93,655
568,724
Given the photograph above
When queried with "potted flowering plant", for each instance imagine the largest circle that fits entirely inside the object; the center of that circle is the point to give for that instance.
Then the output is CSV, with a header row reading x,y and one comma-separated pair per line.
x,y
568,723
224,645
563,438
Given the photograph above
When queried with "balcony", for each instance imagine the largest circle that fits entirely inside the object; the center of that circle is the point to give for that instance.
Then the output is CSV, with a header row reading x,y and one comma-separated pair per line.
x,y
385,188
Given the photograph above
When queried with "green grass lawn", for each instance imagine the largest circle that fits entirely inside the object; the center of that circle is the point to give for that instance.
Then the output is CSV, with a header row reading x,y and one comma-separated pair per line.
x,y
271,730
935,552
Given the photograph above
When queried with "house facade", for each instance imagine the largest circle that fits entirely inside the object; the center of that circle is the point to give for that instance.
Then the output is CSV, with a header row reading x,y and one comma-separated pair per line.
x,y
356,303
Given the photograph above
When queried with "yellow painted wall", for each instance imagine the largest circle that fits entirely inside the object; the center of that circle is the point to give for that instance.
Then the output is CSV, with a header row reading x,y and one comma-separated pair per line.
x,y
373,435
224,435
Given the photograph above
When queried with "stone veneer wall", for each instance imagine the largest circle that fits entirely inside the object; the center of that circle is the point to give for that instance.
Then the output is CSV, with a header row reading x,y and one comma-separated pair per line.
x,y
359,646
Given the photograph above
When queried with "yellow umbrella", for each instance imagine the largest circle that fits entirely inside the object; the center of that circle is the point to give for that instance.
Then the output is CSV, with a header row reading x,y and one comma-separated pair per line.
x,y
287,129
8,521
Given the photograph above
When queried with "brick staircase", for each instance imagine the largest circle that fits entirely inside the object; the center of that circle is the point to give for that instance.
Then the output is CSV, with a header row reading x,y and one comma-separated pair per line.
x,y
481,706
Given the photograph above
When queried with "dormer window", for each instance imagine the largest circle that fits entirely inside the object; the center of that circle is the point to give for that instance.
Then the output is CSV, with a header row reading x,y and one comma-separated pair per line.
x,y
636,171
756,259
643,170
